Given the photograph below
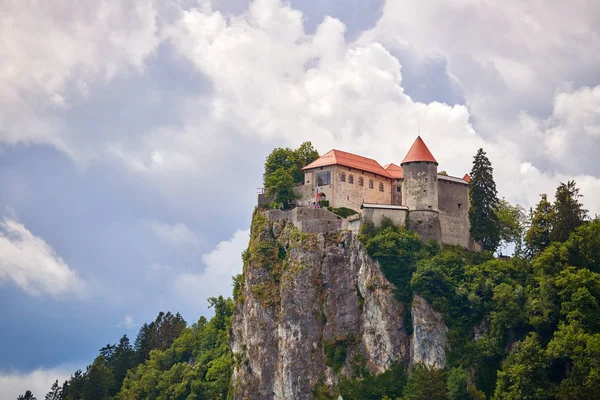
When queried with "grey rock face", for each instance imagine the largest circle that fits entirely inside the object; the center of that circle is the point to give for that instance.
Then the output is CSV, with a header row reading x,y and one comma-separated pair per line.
x,y
317,292
429,335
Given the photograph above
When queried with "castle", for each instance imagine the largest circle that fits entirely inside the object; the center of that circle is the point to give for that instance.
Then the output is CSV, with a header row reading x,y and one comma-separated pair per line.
x,y
413,194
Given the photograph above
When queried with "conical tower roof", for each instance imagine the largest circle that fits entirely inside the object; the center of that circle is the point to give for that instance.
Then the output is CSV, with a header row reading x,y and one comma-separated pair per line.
x,y
419,153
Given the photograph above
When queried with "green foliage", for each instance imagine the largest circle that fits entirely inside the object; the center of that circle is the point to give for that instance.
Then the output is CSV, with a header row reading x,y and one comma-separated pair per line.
x,y
55,392
525,373
537,237
27,396
197,365
375,387
283,170
280,186
511,221
569,213
342,211
397,251
425,383
336,352
483,196
323,203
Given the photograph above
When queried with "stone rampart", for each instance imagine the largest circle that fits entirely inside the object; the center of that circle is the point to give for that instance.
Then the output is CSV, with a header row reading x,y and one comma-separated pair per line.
x,y
377,212
426,224
308,219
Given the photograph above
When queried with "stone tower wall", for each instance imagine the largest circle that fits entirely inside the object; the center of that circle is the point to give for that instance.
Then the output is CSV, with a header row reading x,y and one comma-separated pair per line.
x,y
419,188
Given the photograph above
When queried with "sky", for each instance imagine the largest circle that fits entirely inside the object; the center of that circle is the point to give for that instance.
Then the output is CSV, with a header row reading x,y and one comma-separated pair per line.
x,y
133,136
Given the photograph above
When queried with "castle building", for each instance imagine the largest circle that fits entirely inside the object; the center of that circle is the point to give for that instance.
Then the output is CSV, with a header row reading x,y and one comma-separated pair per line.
x,y
412,193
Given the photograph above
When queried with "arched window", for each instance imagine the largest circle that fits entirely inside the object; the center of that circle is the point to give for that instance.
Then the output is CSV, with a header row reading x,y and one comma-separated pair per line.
x,y
351,179
361,181
342,177
371,184
381,186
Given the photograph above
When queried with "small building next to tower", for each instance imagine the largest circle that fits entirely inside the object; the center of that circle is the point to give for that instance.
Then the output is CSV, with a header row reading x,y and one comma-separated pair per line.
x,y
412,193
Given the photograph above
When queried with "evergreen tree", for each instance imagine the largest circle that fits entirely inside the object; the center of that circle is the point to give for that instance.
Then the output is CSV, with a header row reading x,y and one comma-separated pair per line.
x,y
55,392
425,383
27,396
569,213
122,361
538,235
483,196
73,388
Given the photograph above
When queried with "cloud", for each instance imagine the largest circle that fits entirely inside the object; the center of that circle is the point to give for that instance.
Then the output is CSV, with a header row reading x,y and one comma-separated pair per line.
x,y
39,381
221,264
30,263
127,323
54,54
175,235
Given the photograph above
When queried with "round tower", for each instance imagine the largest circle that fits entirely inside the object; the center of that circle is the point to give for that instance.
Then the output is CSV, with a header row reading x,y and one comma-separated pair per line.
x,y
419,188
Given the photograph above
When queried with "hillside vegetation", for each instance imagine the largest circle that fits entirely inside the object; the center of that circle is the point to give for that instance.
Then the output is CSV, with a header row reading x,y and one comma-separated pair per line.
x,y
526,327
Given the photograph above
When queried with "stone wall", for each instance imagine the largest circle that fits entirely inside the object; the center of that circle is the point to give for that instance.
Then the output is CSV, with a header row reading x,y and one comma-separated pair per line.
x,y
307,195
419,187
376,215
455,230
426,223
454,212
453,198
397,192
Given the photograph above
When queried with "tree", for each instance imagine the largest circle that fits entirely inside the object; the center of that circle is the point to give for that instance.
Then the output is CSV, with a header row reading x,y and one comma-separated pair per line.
x,y
568,212
280,187
55,392
511,221
425,383
27,396
537,237
524,374
483,196
283,170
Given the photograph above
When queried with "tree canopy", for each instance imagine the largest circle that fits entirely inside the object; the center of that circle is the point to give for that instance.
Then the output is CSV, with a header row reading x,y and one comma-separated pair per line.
x,y
483,196
283,170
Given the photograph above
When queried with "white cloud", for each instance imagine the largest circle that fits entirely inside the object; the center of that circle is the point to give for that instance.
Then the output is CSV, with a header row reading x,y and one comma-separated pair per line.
x,y
175,235
127,323
221,264
13,384
54,53
30,263
273,83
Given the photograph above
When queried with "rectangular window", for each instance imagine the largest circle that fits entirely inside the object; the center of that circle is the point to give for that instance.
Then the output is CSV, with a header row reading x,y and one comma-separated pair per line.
x,y
398,189
324,178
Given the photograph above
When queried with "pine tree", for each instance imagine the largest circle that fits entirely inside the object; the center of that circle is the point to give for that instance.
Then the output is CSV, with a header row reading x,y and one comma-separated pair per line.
x,y
55,392
569,213
538,235
483,196
27,396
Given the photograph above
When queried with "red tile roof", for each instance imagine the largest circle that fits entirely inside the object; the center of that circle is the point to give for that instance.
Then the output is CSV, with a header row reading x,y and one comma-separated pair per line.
x,y
419,152
467,178
394,170
337,157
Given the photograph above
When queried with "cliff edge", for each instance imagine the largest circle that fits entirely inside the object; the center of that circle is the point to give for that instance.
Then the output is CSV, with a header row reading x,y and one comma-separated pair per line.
x,y
313,309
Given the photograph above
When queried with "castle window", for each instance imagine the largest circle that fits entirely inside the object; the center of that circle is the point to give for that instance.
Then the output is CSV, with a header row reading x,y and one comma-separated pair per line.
x,y
342,177
459,205
361,181
323,178
398,189
381,186
371,184
351,179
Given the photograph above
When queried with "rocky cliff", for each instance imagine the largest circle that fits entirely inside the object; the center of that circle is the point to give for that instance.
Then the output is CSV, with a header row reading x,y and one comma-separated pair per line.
x,y
313,308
